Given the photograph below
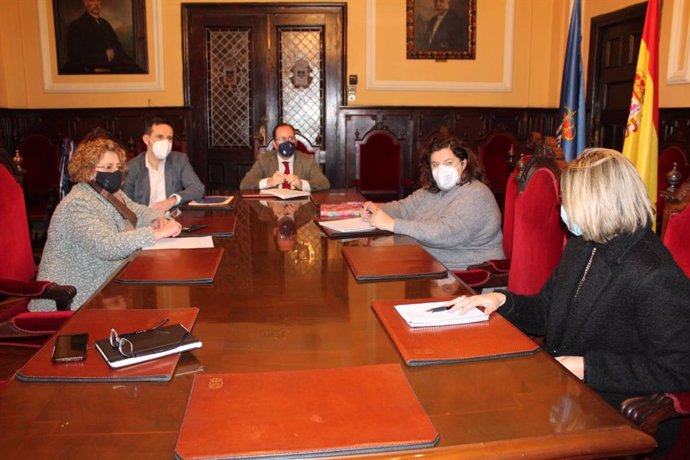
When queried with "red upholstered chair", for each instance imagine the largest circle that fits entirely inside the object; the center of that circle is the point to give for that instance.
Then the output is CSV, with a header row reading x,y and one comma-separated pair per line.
x,y
378,164
41,181
17,273
533,235
303,145
493,154
667,157
539,235
494,273
677,238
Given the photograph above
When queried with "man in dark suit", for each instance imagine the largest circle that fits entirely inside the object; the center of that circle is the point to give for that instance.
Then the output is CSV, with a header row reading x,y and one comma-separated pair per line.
x,y
160,177
285,167
91,40
446,29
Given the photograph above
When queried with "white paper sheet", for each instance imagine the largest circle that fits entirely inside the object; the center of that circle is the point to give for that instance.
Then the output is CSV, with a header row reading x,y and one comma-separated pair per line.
x,y
285,193
353,224
417,315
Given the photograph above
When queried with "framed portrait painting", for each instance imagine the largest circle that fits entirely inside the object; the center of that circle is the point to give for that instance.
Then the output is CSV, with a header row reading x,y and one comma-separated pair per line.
x,y
441,29
100,36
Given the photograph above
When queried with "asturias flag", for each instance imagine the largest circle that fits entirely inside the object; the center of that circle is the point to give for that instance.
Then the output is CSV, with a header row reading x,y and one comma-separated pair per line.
x,y
571,131
641,144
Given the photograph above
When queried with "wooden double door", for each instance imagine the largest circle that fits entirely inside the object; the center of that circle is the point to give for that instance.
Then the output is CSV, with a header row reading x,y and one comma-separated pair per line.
x,y
615,44
251,66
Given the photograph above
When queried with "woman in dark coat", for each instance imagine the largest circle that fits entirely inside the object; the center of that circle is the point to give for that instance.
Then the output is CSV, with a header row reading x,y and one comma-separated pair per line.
x,y
616,310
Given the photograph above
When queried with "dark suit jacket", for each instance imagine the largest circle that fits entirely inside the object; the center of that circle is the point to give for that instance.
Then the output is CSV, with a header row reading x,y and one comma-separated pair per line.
x,y
630,321
305,167
180,178
452,33
87,41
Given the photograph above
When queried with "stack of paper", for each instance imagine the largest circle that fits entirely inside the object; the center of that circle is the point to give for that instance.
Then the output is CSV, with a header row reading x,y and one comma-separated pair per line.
x,y
420,315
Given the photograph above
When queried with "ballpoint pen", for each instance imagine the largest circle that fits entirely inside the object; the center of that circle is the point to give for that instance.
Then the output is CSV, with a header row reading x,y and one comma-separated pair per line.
x,y
194,227
439,309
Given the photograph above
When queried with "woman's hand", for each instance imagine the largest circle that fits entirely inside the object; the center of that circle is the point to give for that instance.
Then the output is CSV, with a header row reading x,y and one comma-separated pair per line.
x,y
575,364
368,210
377,217
158,223
166,228
490,302
381,220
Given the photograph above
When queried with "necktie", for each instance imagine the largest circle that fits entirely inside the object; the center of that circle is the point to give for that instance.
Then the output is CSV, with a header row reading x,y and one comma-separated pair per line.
x,y
286,184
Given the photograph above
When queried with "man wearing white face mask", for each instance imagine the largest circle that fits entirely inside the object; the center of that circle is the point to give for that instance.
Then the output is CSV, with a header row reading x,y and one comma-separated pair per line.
x,y
454,215
161,178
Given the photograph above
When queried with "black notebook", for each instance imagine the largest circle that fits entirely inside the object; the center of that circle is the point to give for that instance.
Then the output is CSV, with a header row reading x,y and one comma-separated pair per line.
x,y
148,345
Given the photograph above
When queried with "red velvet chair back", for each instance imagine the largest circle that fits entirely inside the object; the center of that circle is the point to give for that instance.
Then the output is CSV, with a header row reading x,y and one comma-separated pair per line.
x,y
379,163
15,244
42,178
677,238
512,189
538,235
668,156
494,154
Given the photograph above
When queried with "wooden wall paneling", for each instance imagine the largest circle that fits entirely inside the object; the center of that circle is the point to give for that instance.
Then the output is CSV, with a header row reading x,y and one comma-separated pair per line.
x,y
415,123
126,125
674,126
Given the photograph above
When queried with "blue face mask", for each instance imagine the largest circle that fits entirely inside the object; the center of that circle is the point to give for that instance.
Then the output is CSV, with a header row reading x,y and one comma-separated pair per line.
x,y
287,149
574,228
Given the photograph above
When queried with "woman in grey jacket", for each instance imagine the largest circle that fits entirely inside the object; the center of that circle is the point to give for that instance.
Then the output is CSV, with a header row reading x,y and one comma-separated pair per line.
x,y
96,227
454,215
615,311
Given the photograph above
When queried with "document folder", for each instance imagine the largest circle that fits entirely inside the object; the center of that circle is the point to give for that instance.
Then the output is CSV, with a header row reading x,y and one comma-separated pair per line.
x,y
97,323
216,224
213,201
495,338
303,414
172,266
373,263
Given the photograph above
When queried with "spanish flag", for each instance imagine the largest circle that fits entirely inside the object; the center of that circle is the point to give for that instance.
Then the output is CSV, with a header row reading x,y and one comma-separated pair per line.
x,y
641,144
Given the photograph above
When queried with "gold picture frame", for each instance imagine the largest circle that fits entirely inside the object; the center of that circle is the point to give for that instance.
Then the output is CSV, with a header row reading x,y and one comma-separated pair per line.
x,y
107,37
441,29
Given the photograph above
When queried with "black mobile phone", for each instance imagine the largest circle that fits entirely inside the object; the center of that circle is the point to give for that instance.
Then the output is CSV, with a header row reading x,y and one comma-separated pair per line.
x,y
70,348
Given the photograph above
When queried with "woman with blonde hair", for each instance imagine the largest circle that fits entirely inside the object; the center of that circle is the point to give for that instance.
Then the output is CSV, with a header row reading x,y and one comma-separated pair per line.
x,y
96,227
616,310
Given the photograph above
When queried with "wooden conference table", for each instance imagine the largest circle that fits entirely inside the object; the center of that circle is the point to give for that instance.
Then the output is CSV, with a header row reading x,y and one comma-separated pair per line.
x,y
271,310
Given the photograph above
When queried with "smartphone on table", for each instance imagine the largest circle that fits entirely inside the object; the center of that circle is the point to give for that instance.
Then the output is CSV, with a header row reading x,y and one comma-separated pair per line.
x,y
70,348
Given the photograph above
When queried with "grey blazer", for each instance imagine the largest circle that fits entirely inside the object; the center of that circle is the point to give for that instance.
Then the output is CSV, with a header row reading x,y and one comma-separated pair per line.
x,y
180,178
305,167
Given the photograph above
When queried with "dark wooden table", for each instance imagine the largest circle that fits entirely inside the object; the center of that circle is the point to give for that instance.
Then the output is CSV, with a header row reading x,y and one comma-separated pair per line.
x,y
271,310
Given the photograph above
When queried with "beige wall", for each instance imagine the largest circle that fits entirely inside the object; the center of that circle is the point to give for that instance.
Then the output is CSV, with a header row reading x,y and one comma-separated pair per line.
x,y
539,29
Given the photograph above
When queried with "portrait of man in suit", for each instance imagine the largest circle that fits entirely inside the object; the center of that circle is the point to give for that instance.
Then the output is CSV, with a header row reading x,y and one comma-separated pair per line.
x,y
441,29
100,36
